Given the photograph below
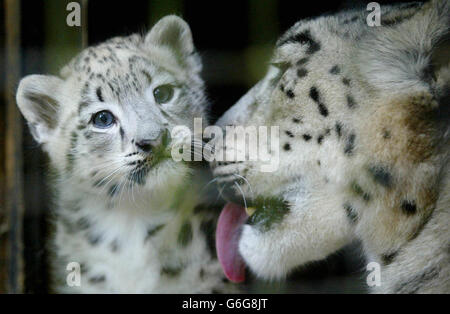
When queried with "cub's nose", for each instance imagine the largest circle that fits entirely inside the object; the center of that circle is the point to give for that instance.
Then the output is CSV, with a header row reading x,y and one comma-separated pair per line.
x,y
146,145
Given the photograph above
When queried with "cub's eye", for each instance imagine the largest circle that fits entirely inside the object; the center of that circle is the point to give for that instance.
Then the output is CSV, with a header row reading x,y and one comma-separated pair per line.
x,y
163,93
103,119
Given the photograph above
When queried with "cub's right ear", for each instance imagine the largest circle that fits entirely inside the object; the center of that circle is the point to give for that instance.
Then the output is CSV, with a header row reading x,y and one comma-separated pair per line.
x,y
36,99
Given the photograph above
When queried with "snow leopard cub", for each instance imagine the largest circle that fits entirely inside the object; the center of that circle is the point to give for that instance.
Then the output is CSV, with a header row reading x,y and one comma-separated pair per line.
x,y
124,208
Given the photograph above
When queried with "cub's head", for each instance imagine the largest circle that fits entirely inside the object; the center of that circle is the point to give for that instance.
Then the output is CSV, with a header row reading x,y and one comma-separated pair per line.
x,y
105,121
363,140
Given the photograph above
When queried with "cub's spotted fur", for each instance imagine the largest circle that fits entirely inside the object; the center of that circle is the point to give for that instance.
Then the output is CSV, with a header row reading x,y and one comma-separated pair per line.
x,y
124,208
364,126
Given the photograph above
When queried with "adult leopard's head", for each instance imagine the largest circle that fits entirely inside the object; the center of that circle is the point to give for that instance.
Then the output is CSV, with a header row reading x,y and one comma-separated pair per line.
x,y
105,122
363,116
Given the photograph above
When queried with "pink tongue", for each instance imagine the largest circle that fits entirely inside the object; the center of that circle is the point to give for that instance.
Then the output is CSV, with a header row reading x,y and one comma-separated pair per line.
x,y
227,241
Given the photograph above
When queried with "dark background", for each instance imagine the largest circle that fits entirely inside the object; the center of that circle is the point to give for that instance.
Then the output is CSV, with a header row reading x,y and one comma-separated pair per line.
x,y
234,38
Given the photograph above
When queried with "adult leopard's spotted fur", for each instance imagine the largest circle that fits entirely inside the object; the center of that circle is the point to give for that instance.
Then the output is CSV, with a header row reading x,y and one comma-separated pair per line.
x,y
364,136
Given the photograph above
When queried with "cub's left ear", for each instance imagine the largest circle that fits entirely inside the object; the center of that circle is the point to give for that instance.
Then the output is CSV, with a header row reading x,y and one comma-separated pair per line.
x,y
173,33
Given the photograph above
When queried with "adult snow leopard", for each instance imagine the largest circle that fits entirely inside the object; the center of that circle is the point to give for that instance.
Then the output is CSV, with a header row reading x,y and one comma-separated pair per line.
x,y
364,150
124,208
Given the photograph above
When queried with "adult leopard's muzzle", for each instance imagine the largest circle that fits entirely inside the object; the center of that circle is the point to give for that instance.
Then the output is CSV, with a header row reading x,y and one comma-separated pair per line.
x,y
231,220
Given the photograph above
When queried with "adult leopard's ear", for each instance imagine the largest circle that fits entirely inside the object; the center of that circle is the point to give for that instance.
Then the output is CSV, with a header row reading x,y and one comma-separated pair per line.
x,y
409,55
36,100
173,33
